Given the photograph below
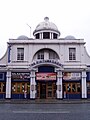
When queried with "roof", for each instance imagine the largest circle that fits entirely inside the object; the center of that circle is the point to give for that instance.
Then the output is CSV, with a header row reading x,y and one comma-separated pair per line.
x,y
46,25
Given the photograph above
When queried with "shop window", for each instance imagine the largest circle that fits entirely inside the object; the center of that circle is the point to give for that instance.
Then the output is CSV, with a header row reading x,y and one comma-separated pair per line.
x,y
78,87
20,53
72,53
20,87
13,87
71,87
88,87
2,87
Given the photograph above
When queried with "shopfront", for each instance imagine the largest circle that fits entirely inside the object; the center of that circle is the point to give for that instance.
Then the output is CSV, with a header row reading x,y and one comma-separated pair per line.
x,y
46,82
20,86
46,85
2,85
71,85
88,84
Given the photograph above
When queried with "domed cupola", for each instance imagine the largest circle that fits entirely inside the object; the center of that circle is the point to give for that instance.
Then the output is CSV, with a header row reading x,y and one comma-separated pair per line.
x,y
22,37
46,30
70,37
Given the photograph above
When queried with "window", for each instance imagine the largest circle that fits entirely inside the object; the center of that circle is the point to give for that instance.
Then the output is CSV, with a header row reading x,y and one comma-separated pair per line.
x,y
1,76
54,36
37,36
46,35
53,55
20,87
2,87
72,53
20,53
72,87
40,55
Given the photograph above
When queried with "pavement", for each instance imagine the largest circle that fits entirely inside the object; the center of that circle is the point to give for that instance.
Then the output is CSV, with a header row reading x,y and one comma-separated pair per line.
x,y
44,101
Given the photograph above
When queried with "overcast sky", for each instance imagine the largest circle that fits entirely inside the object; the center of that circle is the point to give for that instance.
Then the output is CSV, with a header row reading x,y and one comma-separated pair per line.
x,y
72,17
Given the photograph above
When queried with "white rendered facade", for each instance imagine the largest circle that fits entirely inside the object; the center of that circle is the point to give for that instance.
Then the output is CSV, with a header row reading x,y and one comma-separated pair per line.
x,y
44,54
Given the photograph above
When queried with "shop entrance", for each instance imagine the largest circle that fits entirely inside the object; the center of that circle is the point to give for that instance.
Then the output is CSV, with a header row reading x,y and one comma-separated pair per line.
x,y
46,90
42,90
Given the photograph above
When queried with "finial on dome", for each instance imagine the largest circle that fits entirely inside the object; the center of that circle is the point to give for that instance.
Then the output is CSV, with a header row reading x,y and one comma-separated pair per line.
x,y
46,18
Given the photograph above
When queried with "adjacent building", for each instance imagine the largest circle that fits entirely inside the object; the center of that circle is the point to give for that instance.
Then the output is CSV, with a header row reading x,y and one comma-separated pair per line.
x,y
45,67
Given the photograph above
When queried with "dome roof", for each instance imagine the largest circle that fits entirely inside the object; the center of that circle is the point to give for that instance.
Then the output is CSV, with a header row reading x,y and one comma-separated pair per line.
x,y
22,37
46,25
69,37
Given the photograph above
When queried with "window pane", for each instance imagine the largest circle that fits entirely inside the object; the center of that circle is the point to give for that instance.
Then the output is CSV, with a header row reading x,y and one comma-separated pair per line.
x,y
40,55
72,53
46,35
20,53
69,87
53,55
73,87
18,87
78,87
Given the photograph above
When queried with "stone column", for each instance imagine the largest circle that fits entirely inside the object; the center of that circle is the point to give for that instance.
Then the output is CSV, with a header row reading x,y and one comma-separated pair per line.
x,y
8,84
84,86
59,85
32,85
41,35
52,36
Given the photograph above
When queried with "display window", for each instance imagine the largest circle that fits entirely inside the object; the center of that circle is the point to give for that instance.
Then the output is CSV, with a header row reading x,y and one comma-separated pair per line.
x,y
72,87
20,87
2,87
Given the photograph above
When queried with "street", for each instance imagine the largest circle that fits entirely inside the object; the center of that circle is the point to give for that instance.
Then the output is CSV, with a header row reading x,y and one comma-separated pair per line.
x,y
45,111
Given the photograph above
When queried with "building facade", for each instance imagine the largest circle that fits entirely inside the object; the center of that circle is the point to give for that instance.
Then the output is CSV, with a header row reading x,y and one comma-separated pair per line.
x,y
45,67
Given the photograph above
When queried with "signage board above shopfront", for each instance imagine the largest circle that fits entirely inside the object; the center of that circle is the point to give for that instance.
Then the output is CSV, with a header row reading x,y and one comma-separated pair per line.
x,y
20,75
71,76
45,76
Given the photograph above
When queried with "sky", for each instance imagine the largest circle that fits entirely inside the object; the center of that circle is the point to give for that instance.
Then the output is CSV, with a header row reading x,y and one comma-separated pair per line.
x,y
72,17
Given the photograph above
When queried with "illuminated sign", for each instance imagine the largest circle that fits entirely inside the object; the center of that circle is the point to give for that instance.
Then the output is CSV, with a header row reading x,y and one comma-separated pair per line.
x,y
71,76
45,76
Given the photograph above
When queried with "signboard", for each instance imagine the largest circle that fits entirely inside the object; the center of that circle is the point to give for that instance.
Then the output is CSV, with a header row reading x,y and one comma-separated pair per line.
x,y
18,76
45,76
46,62
71,76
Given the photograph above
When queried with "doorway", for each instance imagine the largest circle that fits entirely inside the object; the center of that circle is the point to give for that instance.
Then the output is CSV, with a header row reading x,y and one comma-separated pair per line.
x,y
46,90
42,90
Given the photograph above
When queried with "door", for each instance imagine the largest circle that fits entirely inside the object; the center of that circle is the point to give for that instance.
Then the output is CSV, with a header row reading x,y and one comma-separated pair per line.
x,y
46,90
43,90
51,90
